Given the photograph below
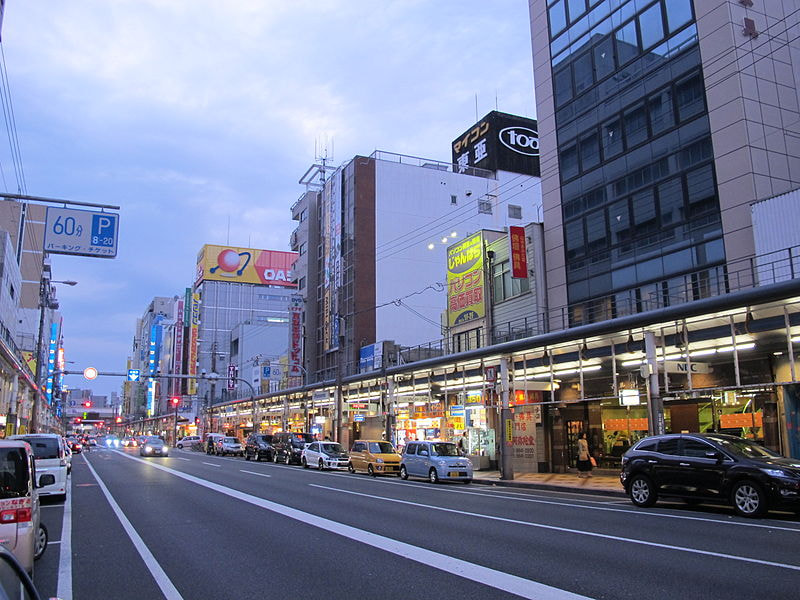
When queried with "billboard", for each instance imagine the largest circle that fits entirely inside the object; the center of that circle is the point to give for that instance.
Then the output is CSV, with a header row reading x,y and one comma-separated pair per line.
x,y
465,281
296,336
194,330
177,349
518,252
245,265
331,260
499,142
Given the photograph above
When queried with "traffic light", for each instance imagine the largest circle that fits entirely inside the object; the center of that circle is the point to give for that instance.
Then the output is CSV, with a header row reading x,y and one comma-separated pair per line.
x,y
197,420
118,420
88,404
175,401
77,421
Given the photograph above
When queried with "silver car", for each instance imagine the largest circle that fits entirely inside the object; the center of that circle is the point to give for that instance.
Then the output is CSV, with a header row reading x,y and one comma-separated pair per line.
x,y
229,445
435,461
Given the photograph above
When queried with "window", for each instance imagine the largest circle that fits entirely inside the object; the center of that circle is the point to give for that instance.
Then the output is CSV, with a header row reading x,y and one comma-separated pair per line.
x,y
576,9
590,152
411,449
505,286
596,233
562,84
679,13
569,162
604,58
573,239
612,139
689,96
627,44
484,207
635,126
651,26
514,211
11,291
668,446
453,199
558,18
660,111
301,250
670,202
695,448
644,208
582,72
619,222
301,283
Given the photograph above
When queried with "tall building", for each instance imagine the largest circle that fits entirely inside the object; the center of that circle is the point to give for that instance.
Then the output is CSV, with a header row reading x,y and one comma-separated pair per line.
x,y
240,316
373,237
670,118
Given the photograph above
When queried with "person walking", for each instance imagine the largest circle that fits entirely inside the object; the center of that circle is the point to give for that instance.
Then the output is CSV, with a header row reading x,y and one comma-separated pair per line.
x,y
584,458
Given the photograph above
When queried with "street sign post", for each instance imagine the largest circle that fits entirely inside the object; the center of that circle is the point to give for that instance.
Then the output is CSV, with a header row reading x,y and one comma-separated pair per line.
x,y
81,232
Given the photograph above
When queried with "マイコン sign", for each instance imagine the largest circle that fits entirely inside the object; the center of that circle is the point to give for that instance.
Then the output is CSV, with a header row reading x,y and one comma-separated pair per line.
x,y
499,142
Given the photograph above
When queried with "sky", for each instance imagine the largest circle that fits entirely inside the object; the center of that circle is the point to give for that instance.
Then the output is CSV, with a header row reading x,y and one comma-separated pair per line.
x,y
198,117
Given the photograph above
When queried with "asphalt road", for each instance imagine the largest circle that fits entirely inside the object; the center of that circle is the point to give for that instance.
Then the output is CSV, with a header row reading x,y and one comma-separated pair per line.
x,y
194,526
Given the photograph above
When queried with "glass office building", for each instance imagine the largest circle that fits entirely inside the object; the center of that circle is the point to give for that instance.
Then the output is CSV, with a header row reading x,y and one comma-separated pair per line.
x,y
636,96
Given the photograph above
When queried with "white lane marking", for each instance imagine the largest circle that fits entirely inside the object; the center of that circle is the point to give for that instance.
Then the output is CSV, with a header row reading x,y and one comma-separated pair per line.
x,y
615,538
64,587
178,457
167,587
254,473
512,584
603,507
212,464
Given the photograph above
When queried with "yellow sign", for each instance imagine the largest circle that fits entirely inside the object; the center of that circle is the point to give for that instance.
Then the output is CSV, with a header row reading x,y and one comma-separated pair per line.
x,y
30,360
465,281
509,430
245,265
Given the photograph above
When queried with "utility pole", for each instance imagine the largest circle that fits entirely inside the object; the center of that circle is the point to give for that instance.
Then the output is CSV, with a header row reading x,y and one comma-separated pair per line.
x,y
507,420
655,404
213,386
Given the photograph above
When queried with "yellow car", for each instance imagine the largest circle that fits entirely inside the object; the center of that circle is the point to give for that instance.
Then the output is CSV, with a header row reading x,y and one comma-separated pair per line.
x,y
376,457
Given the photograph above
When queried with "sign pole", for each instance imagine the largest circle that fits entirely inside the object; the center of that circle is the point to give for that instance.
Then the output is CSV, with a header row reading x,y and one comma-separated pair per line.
x,y
507,419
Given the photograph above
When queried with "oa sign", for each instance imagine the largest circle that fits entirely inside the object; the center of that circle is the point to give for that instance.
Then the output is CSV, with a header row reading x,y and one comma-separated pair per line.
x,y
90,373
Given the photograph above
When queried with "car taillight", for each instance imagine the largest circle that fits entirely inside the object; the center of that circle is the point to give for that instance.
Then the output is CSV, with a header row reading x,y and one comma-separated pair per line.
x,y
18,515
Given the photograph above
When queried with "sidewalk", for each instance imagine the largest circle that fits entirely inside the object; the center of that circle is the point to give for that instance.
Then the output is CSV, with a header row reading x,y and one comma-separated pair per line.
x,y
605,484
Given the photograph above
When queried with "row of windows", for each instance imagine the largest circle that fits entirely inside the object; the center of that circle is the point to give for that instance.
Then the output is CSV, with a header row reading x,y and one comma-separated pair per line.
x,y
656,20
504,285
634,126
672,202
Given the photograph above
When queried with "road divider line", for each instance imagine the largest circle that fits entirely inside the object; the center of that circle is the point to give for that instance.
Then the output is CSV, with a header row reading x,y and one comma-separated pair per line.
x,y
178,457
499,580
64,587
605,536
162,580
212,464
254,473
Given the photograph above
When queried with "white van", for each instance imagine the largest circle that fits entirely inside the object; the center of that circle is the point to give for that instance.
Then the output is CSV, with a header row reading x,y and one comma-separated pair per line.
x,y
21,531
50,458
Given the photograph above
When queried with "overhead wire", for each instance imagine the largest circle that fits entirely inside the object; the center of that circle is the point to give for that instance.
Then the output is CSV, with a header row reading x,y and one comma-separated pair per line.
x,y
11,125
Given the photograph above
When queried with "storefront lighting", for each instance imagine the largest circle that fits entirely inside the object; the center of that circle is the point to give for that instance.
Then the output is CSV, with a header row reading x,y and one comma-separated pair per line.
x,y
705,352
796,339
469,386
402,404
418,403
587,369
739,347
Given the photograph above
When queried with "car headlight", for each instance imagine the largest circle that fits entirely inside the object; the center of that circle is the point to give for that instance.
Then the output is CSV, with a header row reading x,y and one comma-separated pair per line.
x,y
165,448
148,449
441,463
380,460
778,473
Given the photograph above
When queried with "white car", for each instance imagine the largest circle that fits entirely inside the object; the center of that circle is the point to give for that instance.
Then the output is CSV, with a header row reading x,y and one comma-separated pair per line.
x,y
188,441
68,454
49,455
325,455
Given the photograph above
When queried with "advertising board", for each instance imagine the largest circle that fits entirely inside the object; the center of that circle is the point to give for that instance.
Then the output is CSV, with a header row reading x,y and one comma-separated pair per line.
x,y
465,281
499,142
245,265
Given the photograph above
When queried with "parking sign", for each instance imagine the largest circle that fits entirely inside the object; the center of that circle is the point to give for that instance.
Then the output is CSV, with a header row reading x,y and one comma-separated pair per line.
x,y
81,232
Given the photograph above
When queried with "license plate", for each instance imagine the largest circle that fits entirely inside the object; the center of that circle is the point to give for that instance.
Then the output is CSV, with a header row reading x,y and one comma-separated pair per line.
x,y
455,474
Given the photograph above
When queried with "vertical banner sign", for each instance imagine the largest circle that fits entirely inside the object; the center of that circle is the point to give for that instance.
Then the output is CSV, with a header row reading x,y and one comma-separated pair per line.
x,y
187,307
177,351
295,336
194,329
51,362
332,259
519,257
156,332
465,281
232,374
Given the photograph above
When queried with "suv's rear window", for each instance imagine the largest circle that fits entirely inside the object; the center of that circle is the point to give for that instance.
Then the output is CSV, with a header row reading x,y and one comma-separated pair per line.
x,y
44,447
13,473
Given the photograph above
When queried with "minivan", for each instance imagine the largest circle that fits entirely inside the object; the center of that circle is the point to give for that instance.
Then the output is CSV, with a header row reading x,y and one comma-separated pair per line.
x,y
21,529
289,446
48,451
436,461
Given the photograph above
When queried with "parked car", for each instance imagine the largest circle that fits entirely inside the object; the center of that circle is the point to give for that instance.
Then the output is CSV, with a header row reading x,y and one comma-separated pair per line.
x,y
228,445
258,446
211,442
74,445
21,529
67,454
289,446
50,457
154,446
436,461
711,467
325,455
188,441
376,457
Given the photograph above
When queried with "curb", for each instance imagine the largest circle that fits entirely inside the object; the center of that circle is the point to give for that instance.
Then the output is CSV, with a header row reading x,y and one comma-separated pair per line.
x,y
549,487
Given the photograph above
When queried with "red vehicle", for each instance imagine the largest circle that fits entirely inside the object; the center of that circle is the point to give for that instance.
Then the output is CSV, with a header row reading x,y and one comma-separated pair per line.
x,y
74,445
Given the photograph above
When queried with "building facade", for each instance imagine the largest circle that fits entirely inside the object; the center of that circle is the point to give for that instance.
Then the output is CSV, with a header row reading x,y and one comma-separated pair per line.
x,y
670,118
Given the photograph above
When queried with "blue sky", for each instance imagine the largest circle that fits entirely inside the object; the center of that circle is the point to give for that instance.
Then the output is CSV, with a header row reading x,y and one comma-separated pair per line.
x,y
191,113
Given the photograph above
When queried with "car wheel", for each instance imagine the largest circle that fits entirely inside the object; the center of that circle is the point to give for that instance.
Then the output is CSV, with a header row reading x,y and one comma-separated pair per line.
x,y
433,476
370,471
642,492
403,472
41,542
305,464
749,499
247,456
321,465
179,446
256,456
350,467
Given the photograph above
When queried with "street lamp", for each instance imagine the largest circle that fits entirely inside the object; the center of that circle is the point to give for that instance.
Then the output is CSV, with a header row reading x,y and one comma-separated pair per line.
x,y
45,301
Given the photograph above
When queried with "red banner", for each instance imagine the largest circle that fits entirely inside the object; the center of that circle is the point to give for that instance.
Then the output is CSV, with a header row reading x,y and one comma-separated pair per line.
x,y
519,257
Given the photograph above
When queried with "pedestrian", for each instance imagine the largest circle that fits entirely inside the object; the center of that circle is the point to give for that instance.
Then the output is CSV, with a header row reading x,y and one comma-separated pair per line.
x,y
462,444
584,458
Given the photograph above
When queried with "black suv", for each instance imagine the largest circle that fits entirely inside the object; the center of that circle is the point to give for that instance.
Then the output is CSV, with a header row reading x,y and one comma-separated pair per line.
x,y
289,446
711,467
258,446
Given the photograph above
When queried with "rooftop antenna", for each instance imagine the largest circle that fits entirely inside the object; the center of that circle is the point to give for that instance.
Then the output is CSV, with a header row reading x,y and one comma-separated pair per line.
x,y
321,154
